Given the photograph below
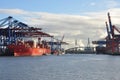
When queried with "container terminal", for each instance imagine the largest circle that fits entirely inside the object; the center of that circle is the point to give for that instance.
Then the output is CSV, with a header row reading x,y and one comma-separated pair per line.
x,y
16,40
14,32
111,44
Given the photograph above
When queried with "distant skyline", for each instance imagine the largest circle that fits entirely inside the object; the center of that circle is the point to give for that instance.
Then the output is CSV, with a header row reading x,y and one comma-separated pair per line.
x,y
76,19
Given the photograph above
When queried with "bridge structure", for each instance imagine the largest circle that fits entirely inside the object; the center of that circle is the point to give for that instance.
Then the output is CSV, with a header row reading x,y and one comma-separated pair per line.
x,y
80,50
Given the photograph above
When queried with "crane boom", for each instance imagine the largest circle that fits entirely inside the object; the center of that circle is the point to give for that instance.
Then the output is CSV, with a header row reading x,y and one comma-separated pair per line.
x,y
108,31
110,25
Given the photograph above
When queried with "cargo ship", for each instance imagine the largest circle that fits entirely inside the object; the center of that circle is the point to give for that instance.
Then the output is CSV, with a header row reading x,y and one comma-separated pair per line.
x,y
29,48
22,47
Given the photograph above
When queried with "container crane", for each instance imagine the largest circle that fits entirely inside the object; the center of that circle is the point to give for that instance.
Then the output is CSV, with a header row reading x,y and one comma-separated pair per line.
x,y
112,40
12,30
112,45
56,45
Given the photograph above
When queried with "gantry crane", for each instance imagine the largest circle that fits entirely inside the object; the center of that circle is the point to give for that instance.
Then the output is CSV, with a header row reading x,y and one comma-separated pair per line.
x,y
11,30
112,40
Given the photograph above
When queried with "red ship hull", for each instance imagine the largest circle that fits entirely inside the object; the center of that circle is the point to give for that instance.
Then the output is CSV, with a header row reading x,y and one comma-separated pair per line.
x,y
23,50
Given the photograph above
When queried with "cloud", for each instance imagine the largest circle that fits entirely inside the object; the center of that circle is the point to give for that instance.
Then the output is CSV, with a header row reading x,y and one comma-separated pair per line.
x,y
13,11
79,27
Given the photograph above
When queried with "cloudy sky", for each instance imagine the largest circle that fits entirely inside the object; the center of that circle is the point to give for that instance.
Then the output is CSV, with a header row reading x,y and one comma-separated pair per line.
x,y
76,19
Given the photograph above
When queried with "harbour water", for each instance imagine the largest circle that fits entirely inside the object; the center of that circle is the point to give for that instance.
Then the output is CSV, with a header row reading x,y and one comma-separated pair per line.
x,y
63,67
